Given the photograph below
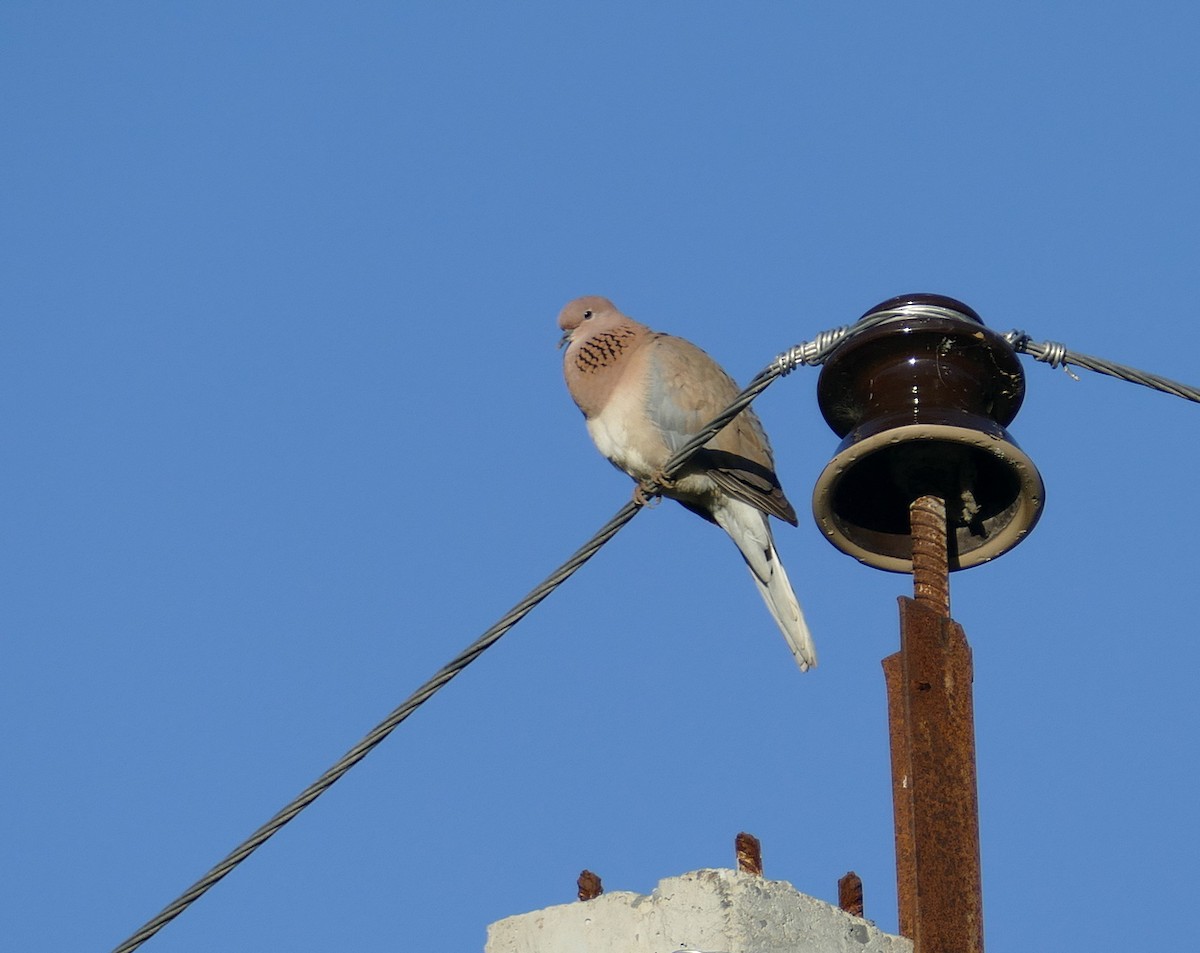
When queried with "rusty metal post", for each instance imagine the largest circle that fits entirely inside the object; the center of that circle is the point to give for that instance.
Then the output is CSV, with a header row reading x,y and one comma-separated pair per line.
x,y
934,788
902,804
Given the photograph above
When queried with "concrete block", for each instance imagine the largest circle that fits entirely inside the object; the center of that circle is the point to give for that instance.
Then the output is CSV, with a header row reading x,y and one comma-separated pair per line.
x,y
715,911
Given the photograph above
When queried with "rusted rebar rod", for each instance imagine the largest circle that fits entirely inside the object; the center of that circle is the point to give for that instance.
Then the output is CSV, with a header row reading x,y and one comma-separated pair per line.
x,y
589,885
930,556
749,854
850,894
934,788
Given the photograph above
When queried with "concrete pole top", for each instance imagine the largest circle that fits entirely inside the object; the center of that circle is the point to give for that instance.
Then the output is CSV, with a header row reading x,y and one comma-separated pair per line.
x,y
714,911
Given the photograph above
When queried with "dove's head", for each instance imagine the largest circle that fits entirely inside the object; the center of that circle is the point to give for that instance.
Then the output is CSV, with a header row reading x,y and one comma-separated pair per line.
x,y
590,312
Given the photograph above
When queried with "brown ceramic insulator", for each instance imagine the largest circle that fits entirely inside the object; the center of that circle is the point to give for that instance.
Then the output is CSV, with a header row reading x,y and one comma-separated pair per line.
x,y
921,401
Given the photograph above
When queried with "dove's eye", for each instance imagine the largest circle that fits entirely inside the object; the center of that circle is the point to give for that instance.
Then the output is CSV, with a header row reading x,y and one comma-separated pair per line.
x,y
587,314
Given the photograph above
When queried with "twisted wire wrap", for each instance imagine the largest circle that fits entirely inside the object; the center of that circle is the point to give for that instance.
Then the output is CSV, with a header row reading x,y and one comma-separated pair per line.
x,y
1058,355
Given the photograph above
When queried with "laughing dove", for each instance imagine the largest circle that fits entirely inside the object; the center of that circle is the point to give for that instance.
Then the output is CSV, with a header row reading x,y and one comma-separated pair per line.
x,y
643,394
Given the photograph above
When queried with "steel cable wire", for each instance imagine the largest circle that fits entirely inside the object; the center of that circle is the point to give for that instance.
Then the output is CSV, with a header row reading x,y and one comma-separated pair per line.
x,y
1057,355
808,353
382,730
446,673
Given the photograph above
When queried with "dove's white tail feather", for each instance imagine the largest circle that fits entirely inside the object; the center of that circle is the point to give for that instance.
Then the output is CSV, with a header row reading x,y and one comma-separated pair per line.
x,y
747,526
777,593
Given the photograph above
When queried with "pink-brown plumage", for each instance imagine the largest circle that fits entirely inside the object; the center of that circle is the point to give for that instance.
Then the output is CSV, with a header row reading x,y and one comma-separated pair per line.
x,y
643,395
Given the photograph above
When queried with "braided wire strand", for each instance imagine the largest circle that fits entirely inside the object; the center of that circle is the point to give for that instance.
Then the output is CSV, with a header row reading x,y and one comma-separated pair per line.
x,y
383,729
1056,355
809,353
447,672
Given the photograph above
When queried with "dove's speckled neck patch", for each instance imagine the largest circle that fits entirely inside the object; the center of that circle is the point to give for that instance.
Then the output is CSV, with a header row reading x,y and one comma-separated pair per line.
x,y
603,349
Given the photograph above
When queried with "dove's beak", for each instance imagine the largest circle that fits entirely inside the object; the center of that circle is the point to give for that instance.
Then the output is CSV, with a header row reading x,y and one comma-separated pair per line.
x,y
562,341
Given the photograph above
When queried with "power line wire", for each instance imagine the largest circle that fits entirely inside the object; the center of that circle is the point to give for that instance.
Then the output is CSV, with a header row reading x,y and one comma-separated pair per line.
x,y
382,730
809,353
447,672
1056,355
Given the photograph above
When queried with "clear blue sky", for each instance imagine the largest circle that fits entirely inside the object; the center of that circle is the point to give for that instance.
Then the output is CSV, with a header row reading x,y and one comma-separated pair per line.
x,y
284,429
